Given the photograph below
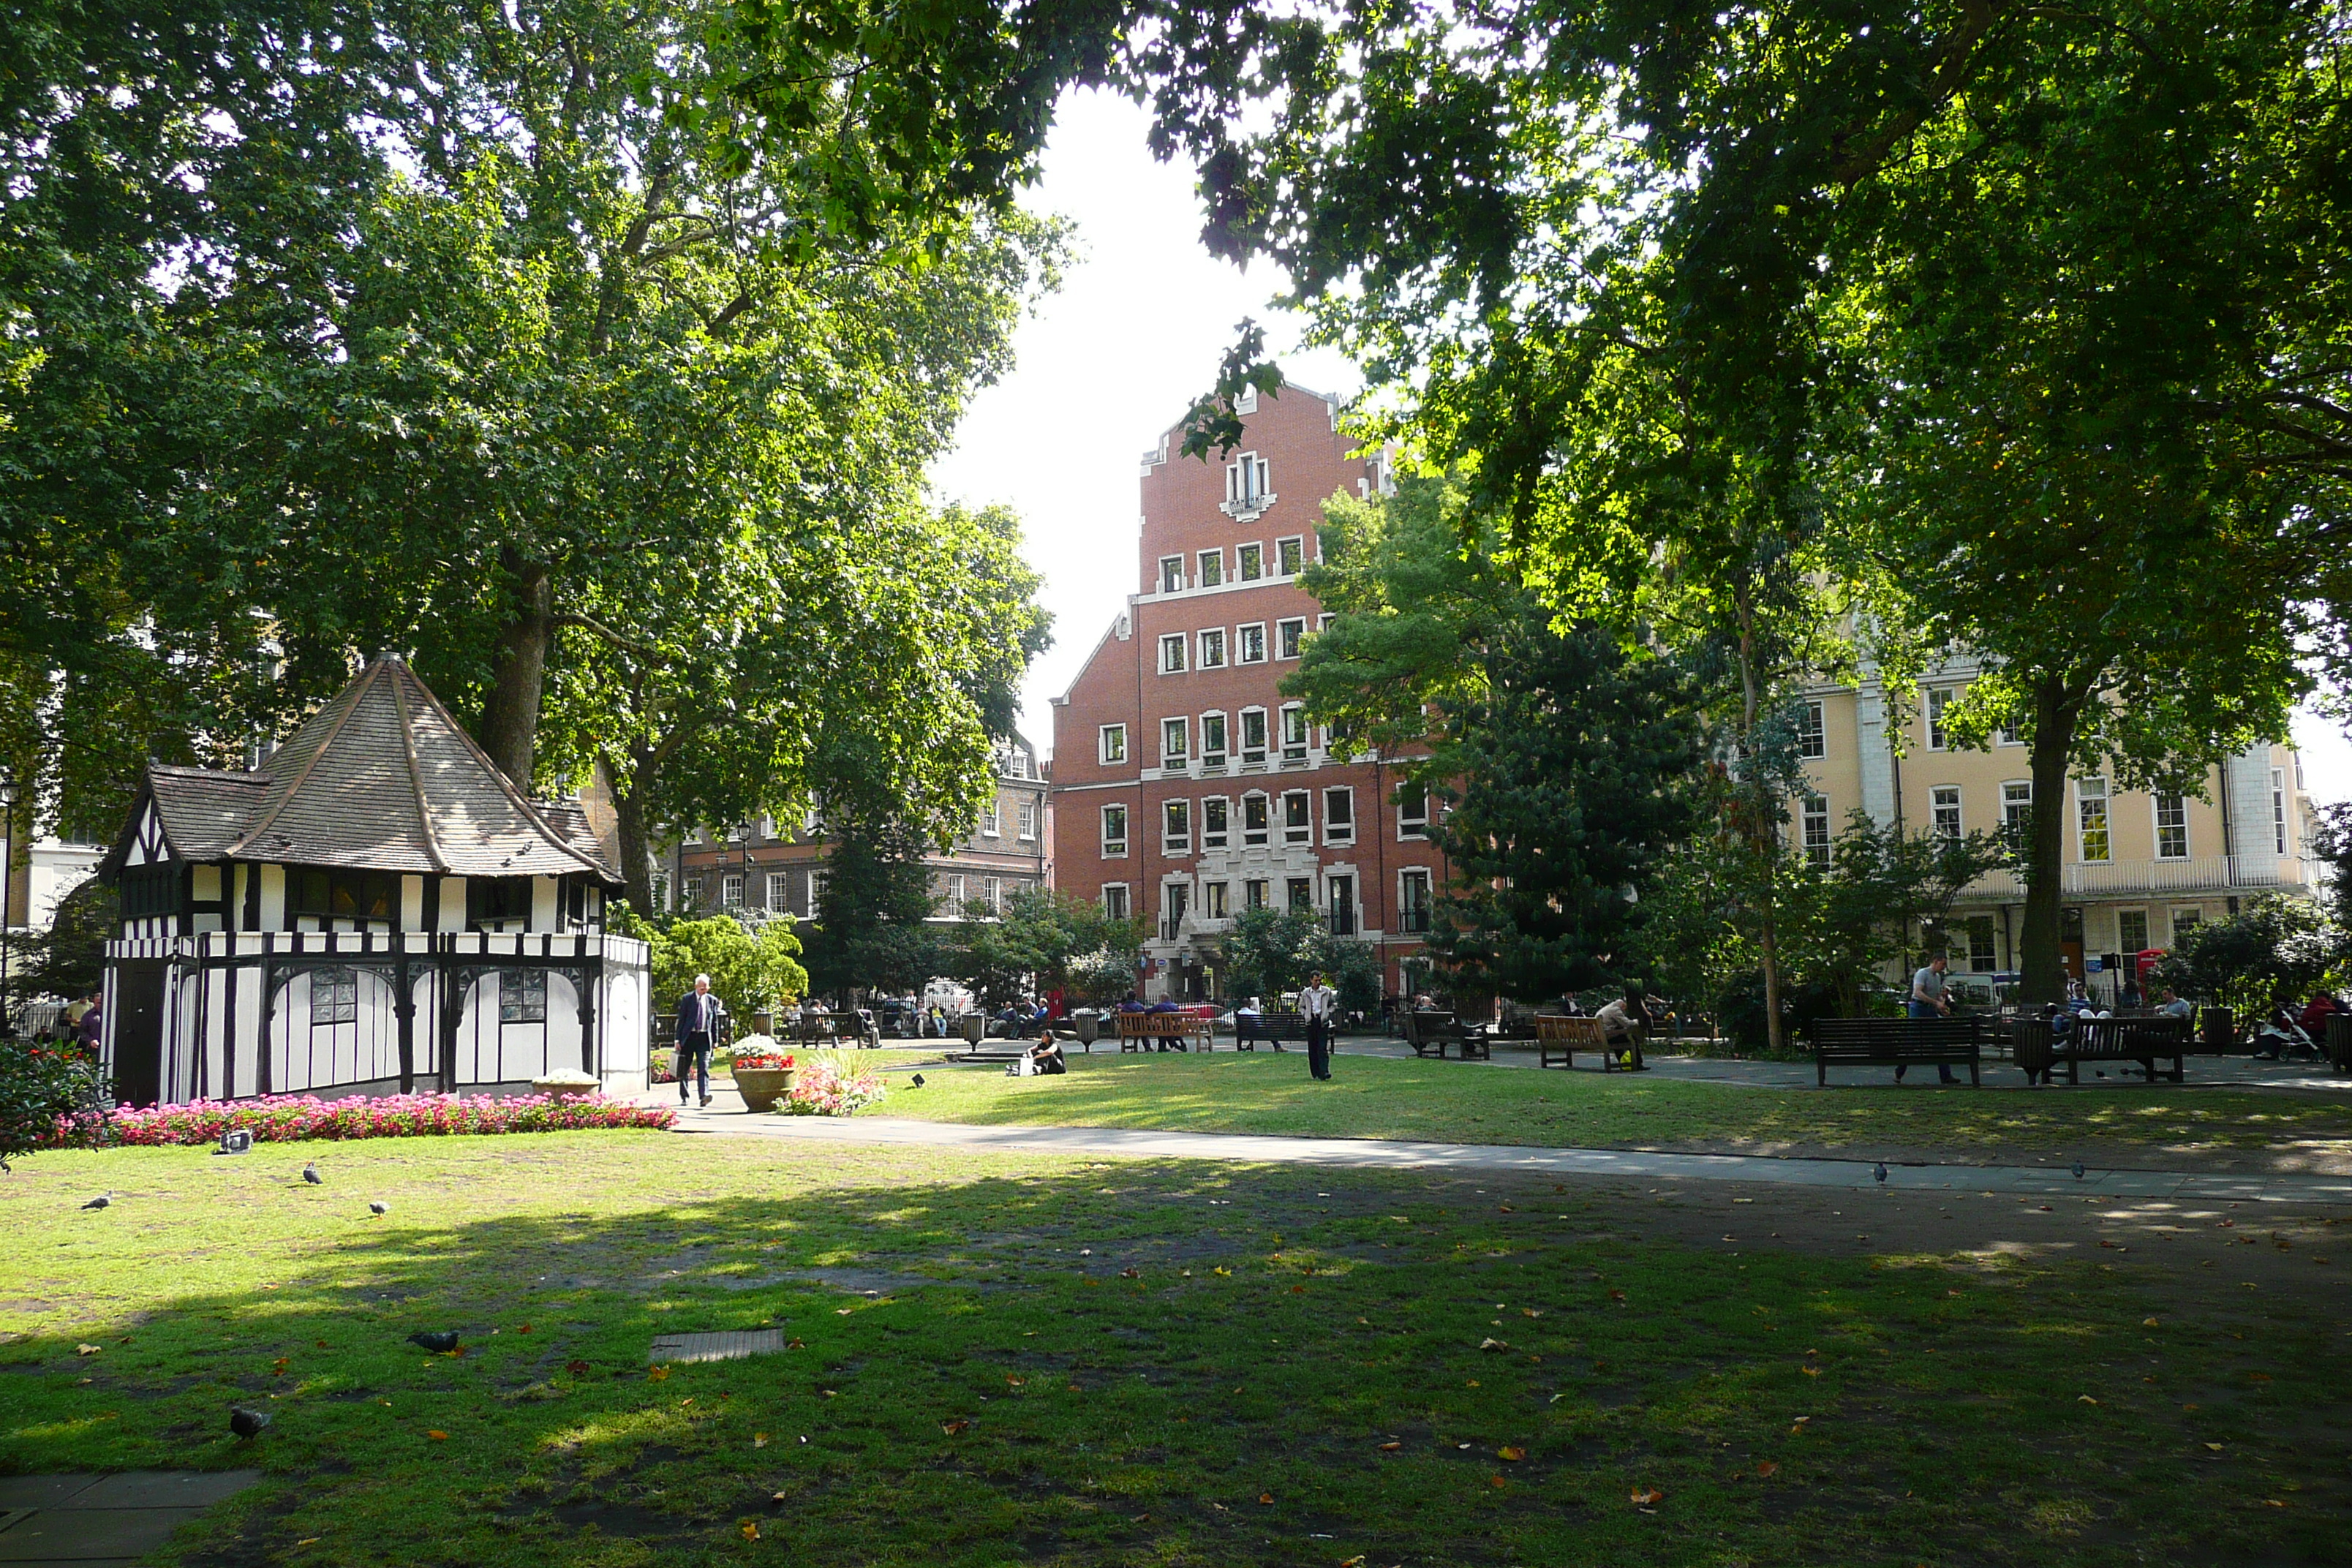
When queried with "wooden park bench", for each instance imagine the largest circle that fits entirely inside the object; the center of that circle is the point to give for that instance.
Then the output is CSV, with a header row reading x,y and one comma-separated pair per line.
x,y
1273,1029
1557,1035
2040,1049
1430,1033
1141,1031
832,1028
1897,1042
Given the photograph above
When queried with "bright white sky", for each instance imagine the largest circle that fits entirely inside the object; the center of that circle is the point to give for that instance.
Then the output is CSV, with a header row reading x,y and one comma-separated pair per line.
x,y
1144,314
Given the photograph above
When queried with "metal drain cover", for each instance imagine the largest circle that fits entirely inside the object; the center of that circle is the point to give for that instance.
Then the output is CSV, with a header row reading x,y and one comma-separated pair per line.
x,y
717,1347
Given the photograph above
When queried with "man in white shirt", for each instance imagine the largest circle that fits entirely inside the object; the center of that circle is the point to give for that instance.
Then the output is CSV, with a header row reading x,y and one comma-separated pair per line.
x,y
1316,1004
1624,1023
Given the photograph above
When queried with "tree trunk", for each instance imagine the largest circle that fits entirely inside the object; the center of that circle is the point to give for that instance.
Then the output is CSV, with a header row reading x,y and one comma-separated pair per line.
x,y
509,727
1765,838
2057,708
635,846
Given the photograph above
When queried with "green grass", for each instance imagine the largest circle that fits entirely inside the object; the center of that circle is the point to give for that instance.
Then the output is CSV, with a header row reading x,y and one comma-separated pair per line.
x,y
1072,1362
1375,1097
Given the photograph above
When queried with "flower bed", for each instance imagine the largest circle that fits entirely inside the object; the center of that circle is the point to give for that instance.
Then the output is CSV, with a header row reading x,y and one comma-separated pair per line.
x,y
825,1088
773,1061
286,1119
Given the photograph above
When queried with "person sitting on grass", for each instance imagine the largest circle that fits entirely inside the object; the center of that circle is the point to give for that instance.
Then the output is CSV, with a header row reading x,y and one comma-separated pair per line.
x,y
1044,1057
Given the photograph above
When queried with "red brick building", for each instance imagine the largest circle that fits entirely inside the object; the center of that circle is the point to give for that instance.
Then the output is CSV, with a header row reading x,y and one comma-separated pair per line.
x,y
1186,787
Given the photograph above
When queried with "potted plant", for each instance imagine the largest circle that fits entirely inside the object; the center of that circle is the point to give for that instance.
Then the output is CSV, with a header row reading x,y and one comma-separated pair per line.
x,y
761,1076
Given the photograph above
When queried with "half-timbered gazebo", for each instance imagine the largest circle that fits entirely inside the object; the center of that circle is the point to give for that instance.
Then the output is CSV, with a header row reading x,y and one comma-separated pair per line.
x,y
377,907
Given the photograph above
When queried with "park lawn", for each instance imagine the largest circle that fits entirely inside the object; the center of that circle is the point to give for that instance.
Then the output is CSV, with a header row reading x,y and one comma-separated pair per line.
x,y
1466,1103
1046,1360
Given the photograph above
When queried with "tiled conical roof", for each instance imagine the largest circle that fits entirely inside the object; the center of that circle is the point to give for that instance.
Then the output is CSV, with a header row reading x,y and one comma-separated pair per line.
x,y
383,779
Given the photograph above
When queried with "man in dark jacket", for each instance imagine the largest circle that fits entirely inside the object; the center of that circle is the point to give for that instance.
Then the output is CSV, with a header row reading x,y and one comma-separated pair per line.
x,y
92,1028
697,1026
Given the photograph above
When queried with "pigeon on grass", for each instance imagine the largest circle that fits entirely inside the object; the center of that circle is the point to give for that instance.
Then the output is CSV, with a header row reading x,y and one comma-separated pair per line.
x,y
310,1174
378,1208
246,1423
100,1202
440,1341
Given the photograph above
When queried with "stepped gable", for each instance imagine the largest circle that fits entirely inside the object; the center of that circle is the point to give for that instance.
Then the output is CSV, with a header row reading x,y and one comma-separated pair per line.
x,y
380,779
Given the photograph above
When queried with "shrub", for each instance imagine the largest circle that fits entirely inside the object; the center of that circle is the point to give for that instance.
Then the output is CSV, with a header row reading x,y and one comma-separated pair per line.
x,y
50,1097
287,1118
825,1088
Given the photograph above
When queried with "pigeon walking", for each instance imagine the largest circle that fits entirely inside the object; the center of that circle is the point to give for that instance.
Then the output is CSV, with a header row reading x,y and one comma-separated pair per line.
x,y
100,1202
378,1208
1878,1172
310,1174
440,1342
248,1424
2078,1170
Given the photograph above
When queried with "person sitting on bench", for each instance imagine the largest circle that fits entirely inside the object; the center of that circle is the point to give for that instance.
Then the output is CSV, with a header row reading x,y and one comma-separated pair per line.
x,y
1621,1023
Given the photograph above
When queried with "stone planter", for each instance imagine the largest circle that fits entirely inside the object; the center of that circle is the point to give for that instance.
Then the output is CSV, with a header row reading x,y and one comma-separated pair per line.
x,y
566,1085
763,1086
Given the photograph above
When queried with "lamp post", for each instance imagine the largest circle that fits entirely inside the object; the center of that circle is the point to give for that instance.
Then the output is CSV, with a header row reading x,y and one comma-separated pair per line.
x,y
7,892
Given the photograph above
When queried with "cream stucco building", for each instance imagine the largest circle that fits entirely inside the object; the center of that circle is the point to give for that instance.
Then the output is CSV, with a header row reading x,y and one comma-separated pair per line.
x,y
2139,869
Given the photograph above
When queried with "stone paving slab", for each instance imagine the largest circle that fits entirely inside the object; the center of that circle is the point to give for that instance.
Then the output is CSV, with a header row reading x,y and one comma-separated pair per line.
x,y
1378,1153
680,1348
88,1521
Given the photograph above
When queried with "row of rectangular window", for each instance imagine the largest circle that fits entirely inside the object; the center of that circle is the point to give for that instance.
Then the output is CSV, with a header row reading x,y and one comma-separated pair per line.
x,y
1257,893
1207,648
1249,565
2093,840
1261,816
991,819
1217,738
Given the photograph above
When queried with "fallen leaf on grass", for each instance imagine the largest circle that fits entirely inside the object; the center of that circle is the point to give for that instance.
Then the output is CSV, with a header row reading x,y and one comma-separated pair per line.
x,y
2273,1503
1811,1371
1266,1498
759,1439
1507,1452
842,1312
658,1374
1012,1382
578,1368
1355,1562
1226,1272
1766,1467
322,1344
794,1345
1492,1345
2215,1447
439,1436
87,1349
1616,1295
1530,1313
1298,1289
750,1530
2085,1399
1645,1496
954,1427
1130,1274
2147,1322
2260,1376
1496,1481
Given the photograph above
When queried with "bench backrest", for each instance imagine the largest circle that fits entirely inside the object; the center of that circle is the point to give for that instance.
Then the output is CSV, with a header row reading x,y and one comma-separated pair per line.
x,y
2121,1036
1590,1032
1896,1033
1157,1025
1271,1022
1428,1026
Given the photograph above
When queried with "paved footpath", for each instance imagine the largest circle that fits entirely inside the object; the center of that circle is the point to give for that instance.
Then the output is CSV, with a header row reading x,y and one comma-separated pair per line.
x,y
726,1115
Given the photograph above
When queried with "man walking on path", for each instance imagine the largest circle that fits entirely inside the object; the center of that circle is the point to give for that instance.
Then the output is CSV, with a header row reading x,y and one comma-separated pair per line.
x,y
1316,1004
1929,1000
697,1022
